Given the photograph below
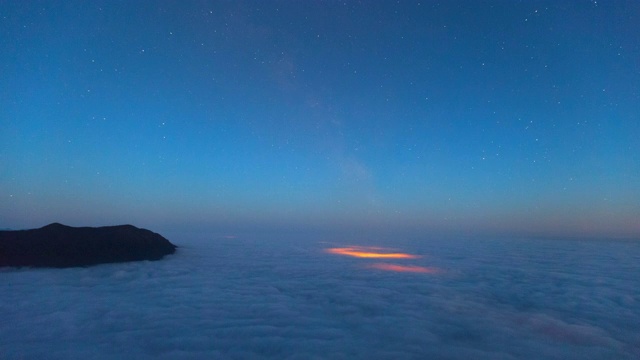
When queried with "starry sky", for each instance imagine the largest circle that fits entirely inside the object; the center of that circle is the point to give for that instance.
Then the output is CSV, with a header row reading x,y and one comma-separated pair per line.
x,y
510,118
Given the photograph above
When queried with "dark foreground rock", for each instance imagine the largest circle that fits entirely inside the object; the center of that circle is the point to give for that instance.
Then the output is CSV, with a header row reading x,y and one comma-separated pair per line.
x,y
57,245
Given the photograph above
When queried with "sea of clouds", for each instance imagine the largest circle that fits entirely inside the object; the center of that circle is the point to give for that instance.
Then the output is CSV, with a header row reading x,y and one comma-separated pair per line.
x,y
284,299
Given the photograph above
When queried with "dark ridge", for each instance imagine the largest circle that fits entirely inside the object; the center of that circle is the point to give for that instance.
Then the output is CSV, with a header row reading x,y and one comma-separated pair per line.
x,y
60,246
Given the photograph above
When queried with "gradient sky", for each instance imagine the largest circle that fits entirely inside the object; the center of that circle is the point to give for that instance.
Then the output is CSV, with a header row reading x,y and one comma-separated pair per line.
x,y
476,117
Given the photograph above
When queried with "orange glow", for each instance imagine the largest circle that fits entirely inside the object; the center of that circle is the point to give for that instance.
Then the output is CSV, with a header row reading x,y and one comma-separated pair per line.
x,y
402,268
369,252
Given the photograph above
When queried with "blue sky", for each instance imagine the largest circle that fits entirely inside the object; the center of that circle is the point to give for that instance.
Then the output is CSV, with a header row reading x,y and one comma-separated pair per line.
x,y
499,118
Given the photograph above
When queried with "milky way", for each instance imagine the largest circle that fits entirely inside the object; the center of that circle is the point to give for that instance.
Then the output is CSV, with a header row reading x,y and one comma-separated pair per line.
x,y
510,118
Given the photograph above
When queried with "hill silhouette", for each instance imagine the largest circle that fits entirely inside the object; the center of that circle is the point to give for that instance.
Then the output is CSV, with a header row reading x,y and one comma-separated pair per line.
x,y
61,246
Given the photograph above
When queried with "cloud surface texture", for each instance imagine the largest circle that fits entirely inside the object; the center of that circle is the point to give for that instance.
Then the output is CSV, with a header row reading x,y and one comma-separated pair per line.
x,y
236,298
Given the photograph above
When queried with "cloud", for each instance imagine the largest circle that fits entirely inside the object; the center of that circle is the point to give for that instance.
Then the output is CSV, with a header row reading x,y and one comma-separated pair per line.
x,y
370,252
377,252
276,299
403,268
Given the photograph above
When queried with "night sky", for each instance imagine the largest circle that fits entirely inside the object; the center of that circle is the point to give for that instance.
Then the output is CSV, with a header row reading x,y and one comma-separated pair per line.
x,y
501,118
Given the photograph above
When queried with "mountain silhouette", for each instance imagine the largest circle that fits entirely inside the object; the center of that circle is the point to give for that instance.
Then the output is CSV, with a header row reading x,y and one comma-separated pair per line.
x,y
60,246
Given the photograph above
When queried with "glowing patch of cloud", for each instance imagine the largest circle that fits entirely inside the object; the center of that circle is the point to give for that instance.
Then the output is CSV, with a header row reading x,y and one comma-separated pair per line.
x,y
404,268
370,252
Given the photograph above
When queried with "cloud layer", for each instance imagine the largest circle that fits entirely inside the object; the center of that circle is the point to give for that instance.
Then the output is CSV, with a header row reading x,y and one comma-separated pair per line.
x,y
249,299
